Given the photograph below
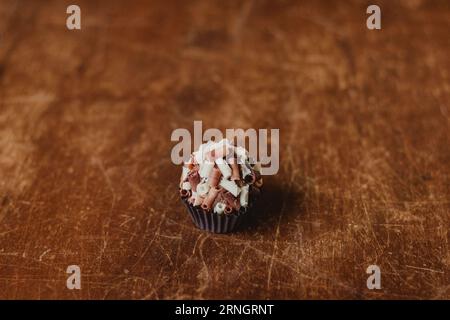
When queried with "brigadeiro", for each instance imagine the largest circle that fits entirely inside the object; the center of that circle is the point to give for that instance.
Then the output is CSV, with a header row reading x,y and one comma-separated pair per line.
x,y
219,186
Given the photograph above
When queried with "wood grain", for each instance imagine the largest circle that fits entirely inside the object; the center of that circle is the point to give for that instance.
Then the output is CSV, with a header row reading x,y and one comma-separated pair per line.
x,y
85,170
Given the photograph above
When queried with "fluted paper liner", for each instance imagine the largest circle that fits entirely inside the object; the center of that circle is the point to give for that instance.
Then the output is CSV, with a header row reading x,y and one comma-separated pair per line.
x,y
213,222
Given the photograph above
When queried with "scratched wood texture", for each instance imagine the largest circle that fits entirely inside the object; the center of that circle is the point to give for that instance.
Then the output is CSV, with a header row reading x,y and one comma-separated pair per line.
x,y
85,170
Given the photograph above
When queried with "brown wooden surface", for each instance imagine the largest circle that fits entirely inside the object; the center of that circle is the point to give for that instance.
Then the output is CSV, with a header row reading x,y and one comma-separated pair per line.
x,y
85,170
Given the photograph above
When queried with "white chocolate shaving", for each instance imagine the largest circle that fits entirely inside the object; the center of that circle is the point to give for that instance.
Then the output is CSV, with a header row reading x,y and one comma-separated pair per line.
x,y
184,173
186,186
245,170
243,198
202,189
200,155
224,168
198,200
205,168
242,154
230,186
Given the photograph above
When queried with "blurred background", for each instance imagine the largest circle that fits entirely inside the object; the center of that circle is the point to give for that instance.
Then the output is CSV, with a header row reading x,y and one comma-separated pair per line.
x,y
85,171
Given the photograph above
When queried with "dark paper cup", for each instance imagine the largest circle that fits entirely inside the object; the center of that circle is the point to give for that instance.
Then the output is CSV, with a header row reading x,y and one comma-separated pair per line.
x,y
213,222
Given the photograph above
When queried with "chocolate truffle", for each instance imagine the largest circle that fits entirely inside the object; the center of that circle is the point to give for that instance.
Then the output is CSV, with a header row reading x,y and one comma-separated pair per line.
x,y
219,185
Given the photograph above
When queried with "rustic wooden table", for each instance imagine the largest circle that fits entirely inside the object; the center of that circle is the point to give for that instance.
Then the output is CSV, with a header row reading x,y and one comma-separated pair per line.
x,y
85,171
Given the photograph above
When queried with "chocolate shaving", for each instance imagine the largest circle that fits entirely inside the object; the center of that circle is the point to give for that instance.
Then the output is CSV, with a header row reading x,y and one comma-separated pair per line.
x,y
194,179
209,200
235,169
214,177
185,193
229,199
250,178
